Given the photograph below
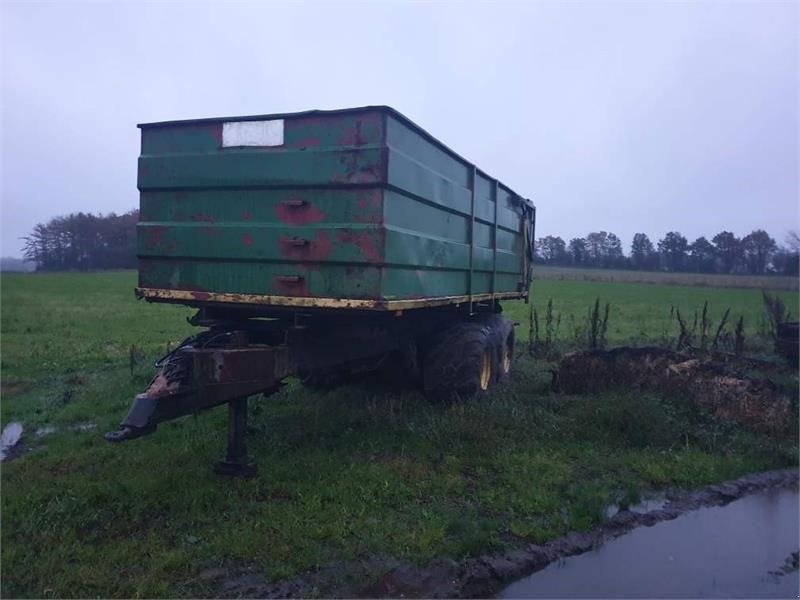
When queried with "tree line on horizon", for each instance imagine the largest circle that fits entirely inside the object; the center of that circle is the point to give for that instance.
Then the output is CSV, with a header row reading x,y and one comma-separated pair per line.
x,y
754,254
84,241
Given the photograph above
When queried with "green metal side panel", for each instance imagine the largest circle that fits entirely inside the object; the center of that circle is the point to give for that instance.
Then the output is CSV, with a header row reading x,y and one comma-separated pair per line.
x,y
431,202
261,277
348,204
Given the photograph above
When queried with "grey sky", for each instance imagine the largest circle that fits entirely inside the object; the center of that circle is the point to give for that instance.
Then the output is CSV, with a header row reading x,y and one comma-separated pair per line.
x,y
618,116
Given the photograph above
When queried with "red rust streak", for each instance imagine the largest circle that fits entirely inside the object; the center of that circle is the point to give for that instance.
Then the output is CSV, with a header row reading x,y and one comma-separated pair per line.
x,y
315,250
285,288
369,206
356,173
298,215
155,236
356,136
366,243
309,142
212,129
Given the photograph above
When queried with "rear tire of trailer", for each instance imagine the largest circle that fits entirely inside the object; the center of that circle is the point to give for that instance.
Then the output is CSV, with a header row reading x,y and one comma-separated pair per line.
x,y
459,363
503,340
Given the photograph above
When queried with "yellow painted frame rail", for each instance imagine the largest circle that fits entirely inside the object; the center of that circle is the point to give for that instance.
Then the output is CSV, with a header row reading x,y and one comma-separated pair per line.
x,y
191,297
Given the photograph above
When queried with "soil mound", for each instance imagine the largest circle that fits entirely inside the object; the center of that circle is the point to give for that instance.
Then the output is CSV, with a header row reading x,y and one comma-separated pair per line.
x,y
731,388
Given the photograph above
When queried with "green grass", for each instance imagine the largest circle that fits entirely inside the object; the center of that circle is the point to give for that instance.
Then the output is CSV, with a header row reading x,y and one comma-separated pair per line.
x,y
765,282
360,470
642,313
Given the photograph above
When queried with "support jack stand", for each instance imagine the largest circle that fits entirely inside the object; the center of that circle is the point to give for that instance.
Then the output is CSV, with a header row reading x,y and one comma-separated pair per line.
x,y
237,463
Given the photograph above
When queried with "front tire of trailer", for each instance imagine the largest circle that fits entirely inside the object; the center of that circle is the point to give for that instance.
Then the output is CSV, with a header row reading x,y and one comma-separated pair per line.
x,y
459,363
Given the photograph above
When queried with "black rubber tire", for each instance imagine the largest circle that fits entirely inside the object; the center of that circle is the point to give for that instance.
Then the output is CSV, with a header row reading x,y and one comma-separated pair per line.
x,y
326,379
453,360
323,380
502,336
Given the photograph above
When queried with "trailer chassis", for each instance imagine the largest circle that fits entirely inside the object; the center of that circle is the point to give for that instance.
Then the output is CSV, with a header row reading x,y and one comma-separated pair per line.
x,y
243,354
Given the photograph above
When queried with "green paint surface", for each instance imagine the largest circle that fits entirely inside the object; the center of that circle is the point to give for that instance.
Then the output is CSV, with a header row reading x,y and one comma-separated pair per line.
x,y
360,204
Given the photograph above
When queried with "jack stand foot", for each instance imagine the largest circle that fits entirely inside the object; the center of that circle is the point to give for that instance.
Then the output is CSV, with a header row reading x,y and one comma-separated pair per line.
x,y
237,463
245,469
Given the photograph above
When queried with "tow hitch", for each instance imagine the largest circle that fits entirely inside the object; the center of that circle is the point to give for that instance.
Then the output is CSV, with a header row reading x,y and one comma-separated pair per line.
x,y
205,371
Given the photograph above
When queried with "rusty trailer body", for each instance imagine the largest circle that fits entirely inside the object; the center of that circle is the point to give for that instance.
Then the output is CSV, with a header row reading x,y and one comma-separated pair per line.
x,y
356,208
321,245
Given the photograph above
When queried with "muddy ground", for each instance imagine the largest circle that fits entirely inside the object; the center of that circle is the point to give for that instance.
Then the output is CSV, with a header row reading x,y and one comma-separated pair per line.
x,y
730,387
485,575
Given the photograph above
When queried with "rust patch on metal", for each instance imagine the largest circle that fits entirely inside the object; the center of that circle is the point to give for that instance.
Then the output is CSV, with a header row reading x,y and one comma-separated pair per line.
x,y
161,386
155,235
247,239
316,249
370,204
356,136
366,286
201,295
309,142
353,138
353,173
302,214
291,286
365,241
247,215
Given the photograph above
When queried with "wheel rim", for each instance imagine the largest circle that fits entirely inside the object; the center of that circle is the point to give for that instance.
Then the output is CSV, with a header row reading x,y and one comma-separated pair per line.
x,y
506,359
486,370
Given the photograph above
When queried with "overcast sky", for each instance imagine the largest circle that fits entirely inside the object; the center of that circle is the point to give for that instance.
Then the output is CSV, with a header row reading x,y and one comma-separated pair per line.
x,y
623,117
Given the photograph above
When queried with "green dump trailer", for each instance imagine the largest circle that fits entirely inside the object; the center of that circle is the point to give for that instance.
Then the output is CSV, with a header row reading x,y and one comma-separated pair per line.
x,y
319,245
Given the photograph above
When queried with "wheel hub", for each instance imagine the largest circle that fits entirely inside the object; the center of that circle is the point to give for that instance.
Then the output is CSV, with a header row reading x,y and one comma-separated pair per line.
x,y
486,370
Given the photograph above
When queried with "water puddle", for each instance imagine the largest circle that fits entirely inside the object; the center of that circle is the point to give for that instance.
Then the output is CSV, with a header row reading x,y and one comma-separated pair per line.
x,y
44,431
732,551
86,426
81,427
9,438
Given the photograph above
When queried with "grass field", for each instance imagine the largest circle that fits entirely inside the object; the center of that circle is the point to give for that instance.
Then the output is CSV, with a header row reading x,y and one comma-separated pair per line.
x,y
365,469
661,277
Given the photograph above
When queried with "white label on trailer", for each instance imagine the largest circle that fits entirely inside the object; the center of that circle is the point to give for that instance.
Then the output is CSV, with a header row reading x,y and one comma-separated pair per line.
x,y
252,133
